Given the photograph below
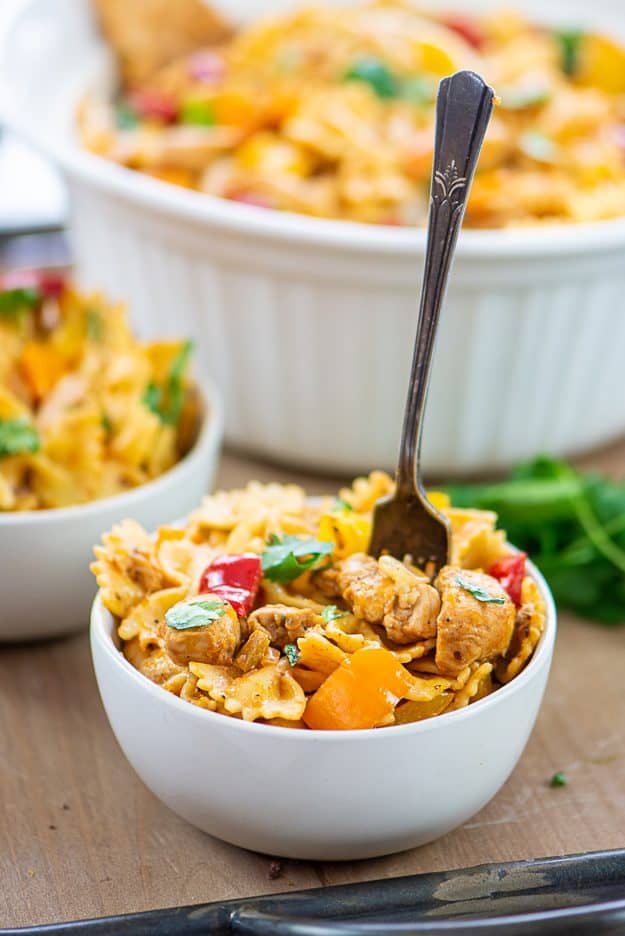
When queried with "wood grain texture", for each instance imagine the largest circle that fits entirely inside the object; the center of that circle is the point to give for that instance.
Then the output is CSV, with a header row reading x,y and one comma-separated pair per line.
x,y
81,836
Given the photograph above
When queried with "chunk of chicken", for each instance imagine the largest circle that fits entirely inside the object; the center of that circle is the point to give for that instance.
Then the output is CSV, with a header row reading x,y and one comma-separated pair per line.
x,y
283,623
214,643
470,629
386,592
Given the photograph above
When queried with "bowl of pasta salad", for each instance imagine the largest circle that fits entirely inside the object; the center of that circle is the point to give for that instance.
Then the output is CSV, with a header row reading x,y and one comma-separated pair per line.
x,y
260,644
95,425
276,185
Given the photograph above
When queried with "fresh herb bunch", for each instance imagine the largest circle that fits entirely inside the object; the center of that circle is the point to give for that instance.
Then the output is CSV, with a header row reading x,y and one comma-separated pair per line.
x,y
572,526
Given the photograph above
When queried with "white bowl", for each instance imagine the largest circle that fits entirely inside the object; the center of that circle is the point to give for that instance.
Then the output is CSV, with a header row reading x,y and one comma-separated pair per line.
x,y
46,587
308,324
319,795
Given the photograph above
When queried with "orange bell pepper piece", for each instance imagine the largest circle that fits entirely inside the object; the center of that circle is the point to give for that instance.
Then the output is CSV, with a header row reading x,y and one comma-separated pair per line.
x,y
42,366
361,693
235,108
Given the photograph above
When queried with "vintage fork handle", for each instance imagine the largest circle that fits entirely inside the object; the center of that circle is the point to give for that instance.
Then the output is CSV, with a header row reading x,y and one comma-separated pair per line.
x,y
463,110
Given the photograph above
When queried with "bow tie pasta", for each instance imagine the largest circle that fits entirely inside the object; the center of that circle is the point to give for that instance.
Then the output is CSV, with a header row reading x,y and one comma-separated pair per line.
x,y
329,111
266,607
86,410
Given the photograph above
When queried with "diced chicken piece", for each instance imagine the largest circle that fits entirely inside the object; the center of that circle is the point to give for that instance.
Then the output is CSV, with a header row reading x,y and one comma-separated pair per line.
x,y
471,628
283,623
214,643
328,582
385,592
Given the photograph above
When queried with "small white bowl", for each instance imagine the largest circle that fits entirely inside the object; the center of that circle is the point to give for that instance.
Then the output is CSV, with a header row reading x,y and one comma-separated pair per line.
x,y
46,587
319,795
321,314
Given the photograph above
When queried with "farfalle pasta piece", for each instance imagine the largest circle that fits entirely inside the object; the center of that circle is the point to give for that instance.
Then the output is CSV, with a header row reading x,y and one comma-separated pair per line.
x,y
350,633
470,690
529,625
189,692
476,543
145,618
125,567
365,492
319,654
181,561
265,693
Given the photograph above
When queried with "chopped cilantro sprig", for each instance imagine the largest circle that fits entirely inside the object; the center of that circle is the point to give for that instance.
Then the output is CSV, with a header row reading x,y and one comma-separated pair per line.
x,y
292,654
287,557
167,401
188,614
331,613
16,302
478,592
18,437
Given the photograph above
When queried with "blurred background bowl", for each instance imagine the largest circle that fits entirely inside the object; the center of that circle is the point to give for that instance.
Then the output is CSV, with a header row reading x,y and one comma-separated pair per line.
x,y
45,582
306,324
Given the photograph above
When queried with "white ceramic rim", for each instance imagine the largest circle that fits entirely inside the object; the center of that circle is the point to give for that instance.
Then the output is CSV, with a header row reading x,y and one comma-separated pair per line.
x,y
543,650
208,439
202,209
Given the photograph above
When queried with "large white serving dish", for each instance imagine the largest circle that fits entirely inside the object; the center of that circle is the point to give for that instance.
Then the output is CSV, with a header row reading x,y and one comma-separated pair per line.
x,y
326,795
46,587
306,324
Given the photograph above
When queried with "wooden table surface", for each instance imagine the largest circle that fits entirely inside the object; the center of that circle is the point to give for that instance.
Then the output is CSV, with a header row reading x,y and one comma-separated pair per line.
x,y
81,836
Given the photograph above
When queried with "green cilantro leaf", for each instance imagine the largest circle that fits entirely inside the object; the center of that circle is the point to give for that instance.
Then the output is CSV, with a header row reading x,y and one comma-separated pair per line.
x,y
559,779
417,91
570,42
292,654
331,613
105,422
341,504
376,74
187,614
125,117
152,398
16,302
94,325
477,591
18,436
197,113
167,402
287,557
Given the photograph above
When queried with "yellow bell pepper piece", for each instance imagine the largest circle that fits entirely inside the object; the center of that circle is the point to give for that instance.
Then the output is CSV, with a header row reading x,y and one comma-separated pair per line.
x,y
42,366
601,64
350,532
439,499
361,693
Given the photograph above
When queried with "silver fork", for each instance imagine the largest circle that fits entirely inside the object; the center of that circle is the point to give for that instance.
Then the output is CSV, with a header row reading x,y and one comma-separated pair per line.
x,y
407,523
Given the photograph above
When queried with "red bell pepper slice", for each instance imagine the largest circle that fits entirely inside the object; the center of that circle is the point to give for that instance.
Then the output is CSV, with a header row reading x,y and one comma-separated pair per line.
x,y
234,578
510,571
466,28
153,105
48,284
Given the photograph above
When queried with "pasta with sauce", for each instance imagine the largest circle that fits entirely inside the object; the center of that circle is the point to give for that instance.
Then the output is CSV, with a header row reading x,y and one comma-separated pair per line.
x,y
329,111
86,409
265,606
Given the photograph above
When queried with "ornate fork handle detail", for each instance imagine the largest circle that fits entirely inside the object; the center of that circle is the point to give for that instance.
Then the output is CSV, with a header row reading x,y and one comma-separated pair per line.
x,y
450,185
464,107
